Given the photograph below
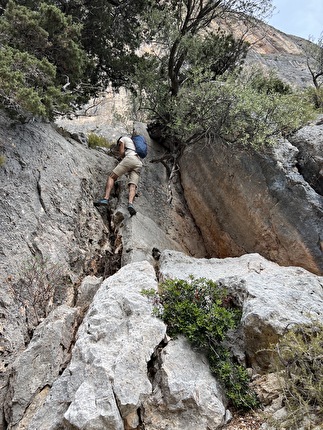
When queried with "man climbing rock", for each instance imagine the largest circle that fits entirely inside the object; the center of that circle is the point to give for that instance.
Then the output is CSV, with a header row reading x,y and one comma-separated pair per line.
x,y
130,164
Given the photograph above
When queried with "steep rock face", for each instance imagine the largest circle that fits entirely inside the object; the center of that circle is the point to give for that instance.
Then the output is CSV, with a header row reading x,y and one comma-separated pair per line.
x,y
245,201
284,54
47,187
272,49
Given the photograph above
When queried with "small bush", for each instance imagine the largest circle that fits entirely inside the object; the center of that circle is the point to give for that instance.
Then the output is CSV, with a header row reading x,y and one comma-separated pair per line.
x,y
300,353
315,96
2,160
34,289
95,140
204,313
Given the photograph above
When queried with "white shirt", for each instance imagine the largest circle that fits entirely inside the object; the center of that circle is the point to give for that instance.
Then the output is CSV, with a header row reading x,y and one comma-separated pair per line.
x,y
130,148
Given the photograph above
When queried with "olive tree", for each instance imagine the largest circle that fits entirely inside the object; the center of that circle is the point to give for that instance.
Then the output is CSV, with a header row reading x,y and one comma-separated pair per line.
x,y
190,47
314,59
189,82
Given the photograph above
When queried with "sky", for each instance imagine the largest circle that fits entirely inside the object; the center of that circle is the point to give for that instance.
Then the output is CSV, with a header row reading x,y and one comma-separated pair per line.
x,y
301,18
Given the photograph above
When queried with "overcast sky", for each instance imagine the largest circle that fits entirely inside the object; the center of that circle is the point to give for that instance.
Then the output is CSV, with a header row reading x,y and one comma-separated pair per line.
x,y
301,18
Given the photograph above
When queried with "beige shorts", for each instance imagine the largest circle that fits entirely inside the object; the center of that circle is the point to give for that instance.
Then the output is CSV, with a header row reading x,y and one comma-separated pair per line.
x,y
130,164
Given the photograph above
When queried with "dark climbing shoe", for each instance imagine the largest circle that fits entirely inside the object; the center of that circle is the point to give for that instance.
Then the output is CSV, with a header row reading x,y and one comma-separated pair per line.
x,y
131,209
101,202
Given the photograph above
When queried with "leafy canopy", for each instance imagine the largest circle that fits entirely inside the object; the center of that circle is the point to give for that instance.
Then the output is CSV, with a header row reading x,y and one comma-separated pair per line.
x,y
247,109
110,33
88,45
39,50
190,85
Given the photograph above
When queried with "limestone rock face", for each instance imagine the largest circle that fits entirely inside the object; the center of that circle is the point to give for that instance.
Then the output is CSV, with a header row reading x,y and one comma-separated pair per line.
x,y
48,184
309,142
40,364
108,384
274,50
47,188
185,395
245,202
271,296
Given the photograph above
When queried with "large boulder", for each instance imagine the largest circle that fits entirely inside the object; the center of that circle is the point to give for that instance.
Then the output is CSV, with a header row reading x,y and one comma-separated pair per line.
x,y
185,394
248,201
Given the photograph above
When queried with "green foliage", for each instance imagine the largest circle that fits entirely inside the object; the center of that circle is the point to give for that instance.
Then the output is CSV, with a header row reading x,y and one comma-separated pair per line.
x,y
268,83
110,33
2,160
259,111
250,110
95,140
27,85
204,313
315,96
39,50
300,353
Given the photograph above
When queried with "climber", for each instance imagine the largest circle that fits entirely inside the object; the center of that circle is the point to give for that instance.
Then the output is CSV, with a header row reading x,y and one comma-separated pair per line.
x,y
131,164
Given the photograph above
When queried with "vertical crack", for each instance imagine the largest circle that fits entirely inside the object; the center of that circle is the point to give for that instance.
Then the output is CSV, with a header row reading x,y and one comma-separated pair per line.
x,y
155,362
40,193
113,257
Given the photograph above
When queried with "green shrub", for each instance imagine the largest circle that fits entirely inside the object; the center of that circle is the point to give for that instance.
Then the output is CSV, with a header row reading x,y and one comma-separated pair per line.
x,y
242,110
315,96
95,140
204,313
2,160
300,353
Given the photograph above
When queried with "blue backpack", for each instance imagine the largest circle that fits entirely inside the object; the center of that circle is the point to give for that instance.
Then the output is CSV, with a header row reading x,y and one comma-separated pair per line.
x,y
141,145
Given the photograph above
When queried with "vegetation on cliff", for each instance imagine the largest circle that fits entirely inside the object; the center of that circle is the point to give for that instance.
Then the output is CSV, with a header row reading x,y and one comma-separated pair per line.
x,y
204,313
300,359
56,55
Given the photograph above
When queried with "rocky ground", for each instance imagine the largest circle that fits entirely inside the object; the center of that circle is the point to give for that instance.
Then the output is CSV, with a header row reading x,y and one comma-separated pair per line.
x,y
251,421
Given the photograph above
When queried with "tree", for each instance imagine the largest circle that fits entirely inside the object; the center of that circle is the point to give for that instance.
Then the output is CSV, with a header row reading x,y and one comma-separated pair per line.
x,y
188,54
40,49
315,61
191,86
314,58
180,23
110,34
